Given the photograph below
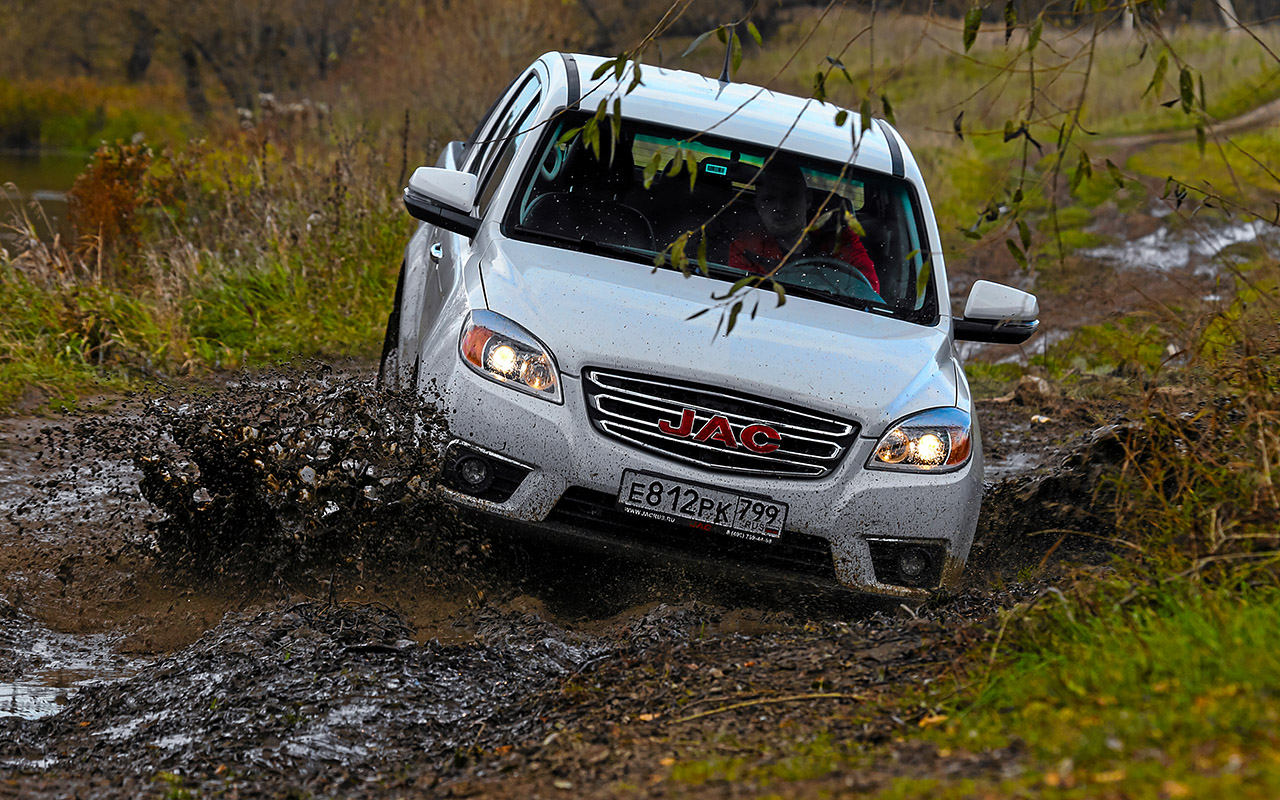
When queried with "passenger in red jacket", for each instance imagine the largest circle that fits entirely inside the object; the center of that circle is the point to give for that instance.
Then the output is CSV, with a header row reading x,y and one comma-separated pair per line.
x,y
782,202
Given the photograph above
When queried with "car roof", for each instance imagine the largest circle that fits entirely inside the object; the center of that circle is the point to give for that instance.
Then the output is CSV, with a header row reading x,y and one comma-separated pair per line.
x,y
731,110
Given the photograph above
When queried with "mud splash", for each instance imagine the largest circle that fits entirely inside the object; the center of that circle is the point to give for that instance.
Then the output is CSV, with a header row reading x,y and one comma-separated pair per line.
x,y
350,636
279,473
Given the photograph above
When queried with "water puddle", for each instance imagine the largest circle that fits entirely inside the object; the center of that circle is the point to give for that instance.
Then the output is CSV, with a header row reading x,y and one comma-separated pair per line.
x,y
47,669
1197,249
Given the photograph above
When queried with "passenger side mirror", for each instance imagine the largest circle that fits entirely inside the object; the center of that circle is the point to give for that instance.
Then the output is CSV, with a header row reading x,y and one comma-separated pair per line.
x,y
443,197
999,314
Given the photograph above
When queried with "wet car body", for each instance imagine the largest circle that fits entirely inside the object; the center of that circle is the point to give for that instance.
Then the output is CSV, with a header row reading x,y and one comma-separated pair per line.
x,y
580,382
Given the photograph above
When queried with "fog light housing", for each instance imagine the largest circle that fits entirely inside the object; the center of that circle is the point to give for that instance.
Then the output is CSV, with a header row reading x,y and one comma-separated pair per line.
x,y
917,564
474,473
913,563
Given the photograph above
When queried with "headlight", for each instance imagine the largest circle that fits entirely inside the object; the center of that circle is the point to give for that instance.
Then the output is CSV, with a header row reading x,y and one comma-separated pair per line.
x,y
503,351
938,439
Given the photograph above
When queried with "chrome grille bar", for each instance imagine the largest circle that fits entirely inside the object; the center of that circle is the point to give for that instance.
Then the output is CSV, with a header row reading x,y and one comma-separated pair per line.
x,y
630,407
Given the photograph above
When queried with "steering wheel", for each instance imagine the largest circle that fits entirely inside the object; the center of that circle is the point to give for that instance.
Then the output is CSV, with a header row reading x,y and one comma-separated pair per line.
x,y
862,288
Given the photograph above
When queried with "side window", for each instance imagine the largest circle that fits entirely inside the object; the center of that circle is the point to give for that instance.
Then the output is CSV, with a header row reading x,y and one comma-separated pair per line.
x,y
508,137
480,151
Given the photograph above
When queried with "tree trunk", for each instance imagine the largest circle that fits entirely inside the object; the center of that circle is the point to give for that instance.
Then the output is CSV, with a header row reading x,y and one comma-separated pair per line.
x,y
144,44
1228,11
196,101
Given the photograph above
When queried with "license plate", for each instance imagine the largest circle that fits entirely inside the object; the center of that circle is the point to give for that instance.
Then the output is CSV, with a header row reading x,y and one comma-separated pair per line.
x,y
745,516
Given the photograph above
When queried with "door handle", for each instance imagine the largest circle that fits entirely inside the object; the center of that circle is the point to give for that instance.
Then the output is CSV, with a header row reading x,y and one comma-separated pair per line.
x,y
437,250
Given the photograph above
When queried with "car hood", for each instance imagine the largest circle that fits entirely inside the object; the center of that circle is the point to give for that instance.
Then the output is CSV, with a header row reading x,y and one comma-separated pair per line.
x,y
593,311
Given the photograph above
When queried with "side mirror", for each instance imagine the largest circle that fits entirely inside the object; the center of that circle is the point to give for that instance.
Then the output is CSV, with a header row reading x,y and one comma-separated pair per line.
x,y
999,314
443,197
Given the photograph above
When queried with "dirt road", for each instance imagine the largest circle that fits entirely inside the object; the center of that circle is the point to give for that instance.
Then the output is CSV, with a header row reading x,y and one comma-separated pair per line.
x,y
251,637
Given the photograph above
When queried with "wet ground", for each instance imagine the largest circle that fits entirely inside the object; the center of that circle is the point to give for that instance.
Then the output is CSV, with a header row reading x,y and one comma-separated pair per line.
x,y
250,590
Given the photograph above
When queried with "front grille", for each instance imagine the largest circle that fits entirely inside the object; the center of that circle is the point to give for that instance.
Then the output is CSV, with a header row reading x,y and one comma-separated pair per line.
x,y
597,511
629,407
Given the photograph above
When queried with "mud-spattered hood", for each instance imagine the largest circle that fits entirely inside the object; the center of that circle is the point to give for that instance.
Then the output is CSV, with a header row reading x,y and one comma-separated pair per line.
x,y
593,311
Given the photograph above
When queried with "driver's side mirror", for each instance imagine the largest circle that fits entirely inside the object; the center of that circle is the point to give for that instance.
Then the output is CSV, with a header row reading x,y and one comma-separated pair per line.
x,y
999,314
443,197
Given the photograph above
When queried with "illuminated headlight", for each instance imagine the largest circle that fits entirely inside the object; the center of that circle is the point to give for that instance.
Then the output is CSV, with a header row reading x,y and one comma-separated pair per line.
x,y
503,351
938,439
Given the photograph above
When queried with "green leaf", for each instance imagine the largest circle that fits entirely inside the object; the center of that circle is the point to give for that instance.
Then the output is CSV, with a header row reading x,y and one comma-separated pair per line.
x,y
1203,105
569,134
969,233
1084,169
1186,89
888,109
619,67
1024,234
691,161
851,222
755,33
955,125
733,317
615,124
678,258
702,253
677,161
782,293
1010,20
591,135
1115,173
842,116
1018,255
702,37
972,20
1157,78
1200,138
659,259
604,67
737,287
735,54
1037,28
651,169
865,111
820,86
838,64
697,314
635,77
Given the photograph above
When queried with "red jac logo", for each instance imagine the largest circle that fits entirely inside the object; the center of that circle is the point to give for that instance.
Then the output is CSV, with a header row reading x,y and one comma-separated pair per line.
x,y
717,429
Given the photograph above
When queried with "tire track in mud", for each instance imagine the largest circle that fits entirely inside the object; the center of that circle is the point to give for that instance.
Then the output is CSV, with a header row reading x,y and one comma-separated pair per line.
x,y
388,642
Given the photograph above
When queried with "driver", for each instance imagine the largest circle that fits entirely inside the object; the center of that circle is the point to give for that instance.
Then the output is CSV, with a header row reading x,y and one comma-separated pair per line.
x,y
782,203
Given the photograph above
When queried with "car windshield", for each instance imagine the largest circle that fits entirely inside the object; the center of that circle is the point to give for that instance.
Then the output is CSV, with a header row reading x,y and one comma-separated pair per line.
x,y
824,230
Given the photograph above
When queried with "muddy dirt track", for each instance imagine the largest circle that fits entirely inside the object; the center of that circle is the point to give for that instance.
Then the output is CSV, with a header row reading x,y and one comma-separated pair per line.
x,y
251,591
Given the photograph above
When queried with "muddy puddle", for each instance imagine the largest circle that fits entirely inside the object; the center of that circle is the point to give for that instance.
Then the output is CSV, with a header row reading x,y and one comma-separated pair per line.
x,y
253,589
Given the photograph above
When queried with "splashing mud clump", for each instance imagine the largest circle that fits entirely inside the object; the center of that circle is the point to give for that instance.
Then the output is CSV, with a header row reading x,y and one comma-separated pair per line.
x,y
277,474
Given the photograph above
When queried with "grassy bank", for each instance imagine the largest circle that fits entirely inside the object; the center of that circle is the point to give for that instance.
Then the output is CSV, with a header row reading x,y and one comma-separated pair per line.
x,y
239,252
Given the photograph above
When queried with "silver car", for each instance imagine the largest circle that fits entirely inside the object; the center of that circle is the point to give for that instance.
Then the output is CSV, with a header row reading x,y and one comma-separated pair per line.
x,y
568,299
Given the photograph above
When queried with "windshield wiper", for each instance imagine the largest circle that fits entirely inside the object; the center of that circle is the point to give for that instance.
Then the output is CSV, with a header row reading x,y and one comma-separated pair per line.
x,y
831,297
583,243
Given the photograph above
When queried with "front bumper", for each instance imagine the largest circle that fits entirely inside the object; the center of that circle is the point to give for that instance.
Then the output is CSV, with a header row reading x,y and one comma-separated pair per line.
x,y
851,510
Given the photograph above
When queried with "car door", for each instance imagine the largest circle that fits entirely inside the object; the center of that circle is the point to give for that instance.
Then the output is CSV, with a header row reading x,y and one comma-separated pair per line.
x,y
488,159
434,256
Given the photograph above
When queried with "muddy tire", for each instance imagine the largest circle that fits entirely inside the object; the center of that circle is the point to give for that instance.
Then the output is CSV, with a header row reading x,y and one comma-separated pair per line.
x,y
389,363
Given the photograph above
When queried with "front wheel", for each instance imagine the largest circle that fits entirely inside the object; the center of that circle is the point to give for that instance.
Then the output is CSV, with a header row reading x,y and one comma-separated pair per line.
x,y
389,364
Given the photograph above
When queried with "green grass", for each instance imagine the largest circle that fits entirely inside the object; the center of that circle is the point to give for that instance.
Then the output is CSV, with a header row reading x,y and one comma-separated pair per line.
x,y
218,255
1181,683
